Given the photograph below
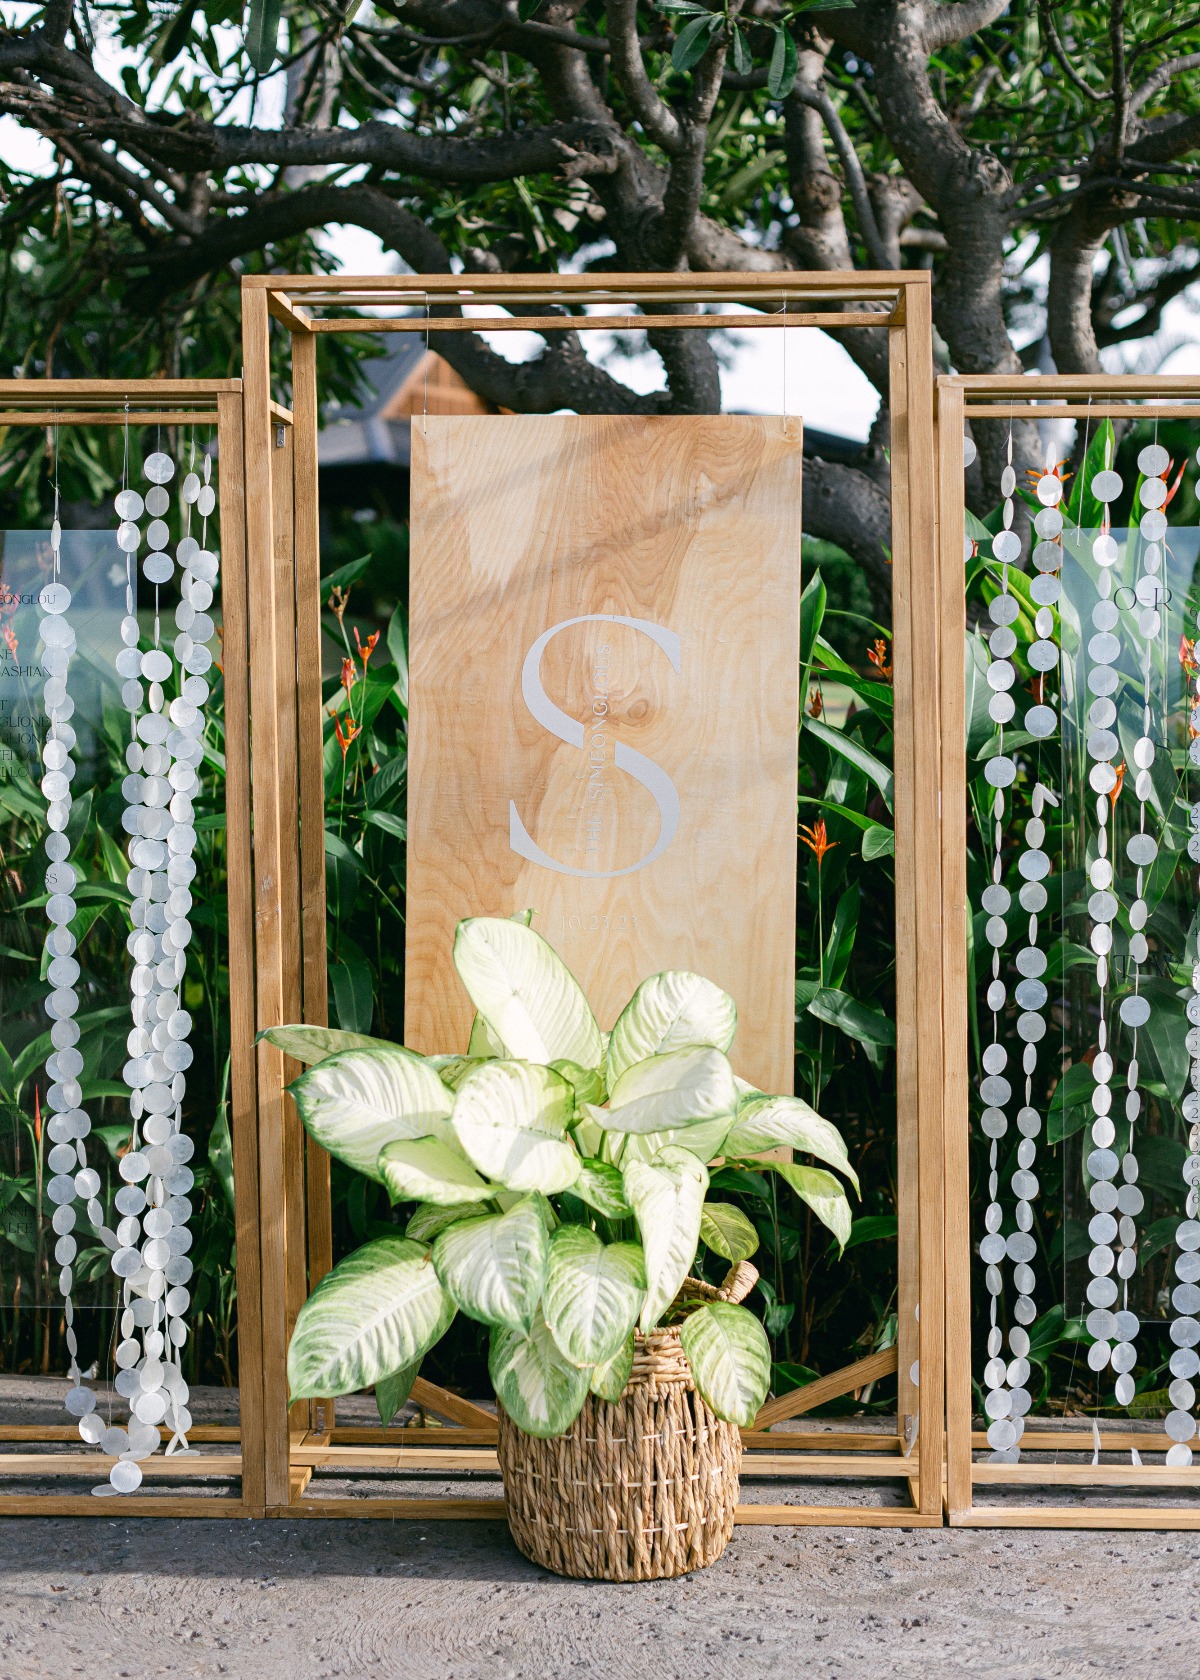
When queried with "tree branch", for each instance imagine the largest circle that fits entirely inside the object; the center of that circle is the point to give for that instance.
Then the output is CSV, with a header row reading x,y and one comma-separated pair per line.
x,y
949,23
659,121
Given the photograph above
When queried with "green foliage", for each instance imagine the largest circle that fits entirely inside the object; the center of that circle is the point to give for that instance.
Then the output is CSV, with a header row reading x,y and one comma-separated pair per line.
x,y
559,1311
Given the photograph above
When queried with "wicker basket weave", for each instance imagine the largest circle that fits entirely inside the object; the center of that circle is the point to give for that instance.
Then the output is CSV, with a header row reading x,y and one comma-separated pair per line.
x,y
642,1490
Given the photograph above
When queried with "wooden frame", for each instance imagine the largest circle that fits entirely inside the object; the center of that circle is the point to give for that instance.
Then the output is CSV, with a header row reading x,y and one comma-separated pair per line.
x,y
983,397
284,564
216,403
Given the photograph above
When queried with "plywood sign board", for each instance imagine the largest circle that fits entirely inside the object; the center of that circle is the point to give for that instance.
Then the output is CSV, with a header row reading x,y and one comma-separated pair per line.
x,y
604,693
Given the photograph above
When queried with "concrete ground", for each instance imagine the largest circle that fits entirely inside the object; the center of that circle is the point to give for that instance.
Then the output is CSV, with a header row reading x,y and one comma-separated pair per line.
x,y
110,1598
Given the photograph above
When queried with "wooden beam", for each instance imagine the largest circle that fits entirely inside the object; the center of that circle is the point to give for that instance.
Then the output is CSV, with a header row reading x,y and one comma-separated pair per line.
x,y
426,324
1076,1516
99,1464
452,1406
801,1400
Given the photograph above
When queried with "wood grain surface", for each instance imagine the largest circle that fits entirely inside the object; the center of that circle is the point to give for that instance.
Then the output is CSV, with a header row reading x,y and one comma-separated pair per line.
x,y
691,526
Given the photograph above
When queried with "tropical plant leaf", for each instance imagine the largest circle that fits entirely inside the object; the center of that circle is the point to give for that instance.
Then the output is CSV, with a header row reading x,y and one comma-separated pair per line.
x,y
494,1267
609,1380
525,992
357,1101
587,1084
512,1118
667,1198
855,754
726,1230
705,1140
675,1089
391,1392
312,1044
730,1356
878,841
693,40
781,72
593,1294
670,1011
764,1123
377,1312
821,1191
430,1220
542,1392
452,1070
431,1170
262,33
602,1188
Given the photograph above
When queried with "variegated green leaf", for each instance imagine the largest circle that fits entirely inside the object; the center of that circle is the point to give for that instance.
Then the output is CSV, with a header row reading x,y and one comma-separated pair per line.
x,y
726,1230
525,992
609,1380
494,1267
665,1092
705,1140
667,1198
429,1220
822,1192
428,1170
355,1102
764,1123
375,1313
730,1357
593,1293
541,1391
511,1118
670,1011
587,1084
391,1392
312,1044
601,1187
452,1070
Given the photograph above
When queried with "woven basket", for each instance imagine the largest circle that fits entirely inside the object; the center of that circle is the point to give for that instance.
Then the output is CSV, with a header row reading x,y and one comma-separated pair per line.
x,y
642,1490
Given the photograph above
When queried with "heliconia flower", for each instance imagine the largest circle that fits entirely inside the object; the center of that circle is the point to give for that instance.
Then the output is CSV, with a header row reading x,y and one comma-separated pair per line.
x,y
10,639
878,655
815,703
339,599
1116,792
364,653
349,674
1187,655
1178,481
346,737
37,1115
816,839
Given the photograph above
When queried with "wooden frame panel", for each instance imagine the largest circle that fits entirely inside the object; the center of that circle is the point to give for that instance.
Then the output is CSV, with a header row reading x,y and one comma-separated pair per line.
x,y
982,397
286,696
216,403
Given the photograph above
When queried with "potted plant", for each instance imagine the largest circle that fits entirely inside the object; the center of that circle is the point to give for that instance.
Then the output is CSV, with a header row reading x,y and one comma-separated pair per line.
x,y
561,1188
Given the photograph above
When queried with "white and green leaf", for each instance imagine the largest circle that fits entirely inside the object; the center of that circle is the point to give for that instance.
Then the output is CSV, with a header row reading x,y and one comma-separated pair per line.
x,y
764,1123
429,1170
730,1357
667,1198
511,1118
391,1392
312,1044
609,1380
377,1312
728,1232
668,1091
525,992
602,1188
452,1070
494,1267
430,1220
821,1191
542,1392
705,1140
586,1083
670,1011
355,1102
593,1293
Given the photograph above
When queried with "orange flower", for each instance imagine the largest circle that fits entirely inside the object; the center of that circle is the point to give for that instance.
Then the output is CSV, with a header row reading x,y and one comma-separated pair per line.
x,y
364,653
1178,481
352,732
815,703
10,639
878,656
1037,689
1116,792
1187,655
339,599
816,839
349,674
37,1116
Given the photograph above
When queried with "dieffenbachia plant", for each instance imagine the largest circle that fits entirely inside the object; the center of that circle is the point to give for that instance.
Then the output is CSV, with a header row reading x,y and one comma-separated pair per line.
x,y
560,1177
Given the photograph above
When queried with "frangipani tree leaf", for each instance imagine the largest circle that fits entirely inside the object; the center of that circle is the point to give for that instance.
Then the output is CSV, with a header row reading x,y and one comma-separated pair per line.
x,y
730,1357
764,1123
511,1118
377,1312
822,1192
609,1380
602,1188
429,1220
391,1392
670,1011
525,992
593,1293
541,1391
675,1089
667,1198
494,1267
355,1102
428,1170
727,1231
312,1044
